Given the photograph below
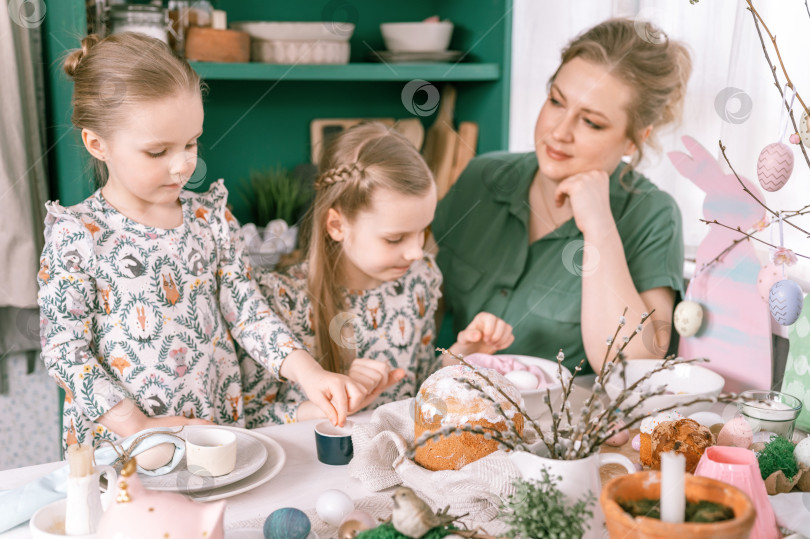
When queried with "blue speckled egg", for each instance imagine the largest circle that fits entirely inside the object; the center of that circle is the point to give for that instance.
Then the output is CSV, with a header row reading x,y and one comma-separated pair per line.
x,y
785,301
287,523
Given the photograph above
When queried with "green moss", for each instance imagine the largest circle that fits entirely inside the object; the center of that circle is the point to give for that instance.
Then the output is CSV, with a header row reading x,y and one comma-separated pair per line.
x,y
777,455
702,511
387,531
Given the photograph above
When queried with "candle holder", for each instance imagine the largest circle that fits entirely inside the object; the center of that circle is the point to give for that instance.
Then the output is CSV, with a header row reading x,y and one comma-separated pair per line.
x,y
770,411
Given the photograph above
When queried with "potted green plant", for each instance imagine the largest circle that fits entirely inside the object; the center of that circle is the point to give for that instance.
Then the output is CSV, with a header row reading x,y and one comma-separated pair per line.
x,y
277,200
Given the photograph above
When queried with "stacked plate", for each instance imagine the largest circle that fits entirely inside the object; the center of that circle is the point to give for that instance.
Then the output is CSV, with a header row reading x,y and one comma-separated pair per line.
x,y
258,459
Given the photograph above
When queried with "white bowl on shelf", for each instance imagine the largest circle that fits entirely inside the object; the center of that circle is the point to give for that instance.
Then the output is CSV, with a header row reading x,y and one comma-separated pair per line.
x,y
417,36
684,383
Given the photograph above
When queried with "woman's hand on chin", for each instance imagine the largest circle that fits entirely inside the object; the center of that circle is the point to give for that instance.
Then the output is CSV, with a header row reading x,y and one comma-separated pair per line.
x,y
589,195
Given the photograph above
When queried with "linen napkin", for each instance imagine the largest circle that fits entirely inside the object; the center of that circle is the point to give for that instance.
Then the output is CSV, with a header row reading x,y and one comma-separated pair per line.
x,y
21,503
379,462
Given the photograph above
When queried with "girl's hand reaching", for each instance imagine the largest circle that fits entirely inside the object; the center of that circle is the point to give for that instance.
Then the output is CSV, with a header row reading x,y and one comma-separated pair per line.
x,y
333,394
486,334
375,377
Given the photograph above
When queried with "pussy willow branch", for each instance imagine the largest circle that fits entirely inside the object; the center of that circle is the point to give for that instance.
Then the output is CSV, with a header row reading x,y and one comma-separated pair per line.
x,y
748,235
757,19
752,195
600,379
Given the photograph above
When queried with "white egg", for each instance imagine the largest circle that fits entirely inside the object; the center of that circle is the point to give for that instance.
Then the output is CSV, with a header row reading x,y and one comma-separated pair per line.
x,y
802,452
522,379
707,419
687,318
333,505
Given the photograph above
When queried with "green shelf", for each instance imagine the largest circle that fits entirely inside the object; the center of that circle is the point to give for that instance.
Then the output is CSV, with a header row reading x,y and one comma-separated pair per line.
x,y
350,72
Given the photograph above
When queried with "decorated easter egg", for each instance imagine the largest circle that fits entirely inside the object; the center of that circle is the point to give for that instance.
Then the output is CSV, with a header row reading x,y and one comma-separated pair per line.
x,y
785,301
636,442
687,318
362,517
736,433
333,505
522,379
802,452
774,166
768,276
707,419
804,130
287,523
618,439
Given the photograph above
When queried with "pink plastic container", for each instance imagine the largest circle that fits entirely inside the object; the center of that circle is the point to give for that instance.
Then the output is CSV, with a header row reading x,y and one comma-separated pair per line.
x,y
738,466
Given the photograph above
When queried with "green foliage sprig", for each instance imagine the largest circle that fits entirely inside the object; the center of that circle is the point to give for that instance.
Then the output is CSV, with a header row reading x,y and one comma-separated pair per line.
x,y
538,509
275,194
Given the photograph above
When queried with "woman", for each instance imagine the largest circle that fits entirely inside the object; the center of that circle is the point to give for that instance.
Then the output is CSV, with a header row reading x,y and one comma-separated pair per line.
x,y
559,241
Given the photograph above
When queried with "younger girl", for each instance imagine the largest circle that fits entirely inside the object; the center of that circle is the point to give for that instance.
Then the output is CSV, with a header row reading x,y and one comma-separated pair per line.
x,y
144,286
365,297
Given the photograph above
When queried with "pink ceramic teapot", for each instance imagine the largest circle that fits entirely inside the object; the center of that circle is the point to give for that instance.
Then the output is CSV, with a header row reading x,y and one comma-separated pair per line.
x,y
139,513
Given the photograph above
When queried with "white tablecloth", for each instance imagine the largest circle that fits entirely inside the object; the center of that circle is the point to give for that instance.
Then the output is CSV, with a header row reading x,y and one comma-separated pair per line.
x,y
298,484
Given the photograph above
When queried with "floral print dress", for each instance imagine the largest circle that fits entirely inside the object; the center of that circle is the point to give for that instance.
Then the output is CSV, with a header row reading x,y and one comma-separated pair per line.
x,y
129,311
393,322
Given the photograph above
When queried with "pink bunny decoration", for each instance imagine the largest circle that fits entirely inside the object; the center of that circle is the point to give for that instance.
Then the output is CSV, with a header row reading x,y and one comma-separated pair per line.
x,y
139,513
736,331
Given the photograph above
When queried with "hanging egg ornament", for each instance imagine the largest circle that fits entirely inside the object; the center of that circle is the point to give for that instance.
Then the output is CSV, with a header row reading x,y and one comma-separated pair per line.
x,y
785,301
287,523
804,130
774,166
687,318
768,276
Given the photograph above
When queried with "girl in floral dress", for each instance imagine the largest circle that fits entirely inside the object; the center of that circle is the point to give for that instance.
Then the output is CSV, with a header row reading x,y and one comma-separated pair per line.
x,y
365,296
143,286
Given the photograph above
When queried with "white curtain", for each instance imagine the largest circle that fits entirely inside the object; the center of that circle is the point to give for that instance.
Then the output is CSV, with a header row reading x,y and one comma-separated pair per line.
x,y
22,154
726,53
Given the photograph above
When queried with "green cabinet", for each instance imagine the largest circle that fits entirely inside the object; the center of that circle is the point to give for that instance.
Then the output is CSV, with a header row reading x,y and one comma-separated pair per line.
x,y
258,115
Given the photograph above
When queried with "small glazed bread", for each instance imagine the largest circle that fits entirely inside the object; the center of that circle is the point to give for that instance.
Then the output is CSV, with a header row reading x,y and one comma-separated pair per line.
x,y
647,427
685,436
445,400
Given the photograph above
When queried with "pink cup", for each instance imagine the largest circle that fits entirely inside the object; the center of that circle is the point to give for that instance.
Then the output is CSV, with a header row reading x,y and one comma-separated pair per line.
x,y
738,466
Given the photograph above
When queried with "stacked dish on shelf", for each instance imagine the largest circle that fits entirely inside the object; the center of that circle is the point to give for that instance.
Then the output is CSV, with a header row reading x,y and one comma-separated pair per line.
x,y
298,42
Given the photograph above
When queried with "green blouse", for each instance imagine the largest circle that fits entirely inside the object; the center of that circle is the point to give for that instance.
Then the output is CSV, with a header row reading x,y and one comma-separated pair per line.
x,y
482,228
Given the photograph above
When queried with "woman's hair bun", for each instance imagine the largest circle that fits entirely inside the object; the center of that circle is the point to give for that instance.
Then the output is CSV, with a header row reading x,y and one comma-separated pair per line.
x,y
74,59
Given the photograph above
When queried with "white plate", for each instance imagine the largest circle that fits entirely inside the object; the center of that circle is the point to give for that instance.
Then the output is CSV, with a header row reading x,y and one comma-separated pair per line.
x,y
271,468
251,455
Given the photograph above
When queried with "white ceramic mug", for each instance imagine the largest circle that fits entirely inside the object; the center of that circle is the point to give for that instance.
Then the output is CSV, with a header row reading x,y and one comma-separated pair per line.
x,y
210,451
577,478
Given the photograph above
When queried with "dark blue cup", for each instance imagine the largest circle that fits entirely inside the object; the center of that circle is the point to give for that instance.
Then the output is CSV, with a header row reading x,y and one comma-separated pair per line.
x,y
334,444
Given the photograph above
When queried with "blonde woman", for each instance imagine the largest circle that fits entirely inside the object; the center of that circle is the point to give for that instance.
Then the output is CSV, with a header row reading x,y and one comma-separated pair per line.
x,y
365,297
136,330
559,241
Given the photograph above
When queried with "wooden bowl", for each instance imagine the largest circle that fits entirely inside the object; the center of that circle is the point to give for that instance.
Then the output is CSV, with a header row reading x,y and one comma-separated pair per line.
x,y
648,485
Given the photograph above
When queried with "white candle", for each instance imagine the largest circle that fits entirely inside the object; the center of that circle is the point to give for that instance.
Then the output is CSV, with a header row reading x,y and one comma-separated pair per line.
x,y
673,497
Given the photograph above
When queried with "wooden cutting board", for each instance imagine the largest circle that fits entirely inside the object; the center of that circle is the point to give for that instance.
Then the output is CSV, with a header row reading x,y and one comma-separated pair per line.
x,y
465,149
411,129
441,140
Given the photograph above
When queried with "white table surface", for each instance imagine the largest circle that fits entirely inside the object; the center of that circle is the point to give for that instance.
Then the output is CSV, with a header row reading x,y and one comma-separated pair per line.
x,y
298,484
